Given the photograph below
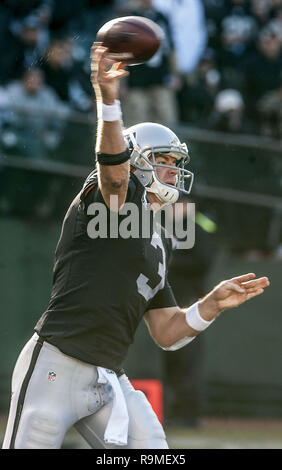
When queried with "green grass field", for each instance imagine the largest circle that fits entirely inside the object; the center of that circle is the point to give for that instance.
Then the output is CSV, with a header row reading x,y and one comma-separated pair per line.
x,y
228,434
213,433
218,434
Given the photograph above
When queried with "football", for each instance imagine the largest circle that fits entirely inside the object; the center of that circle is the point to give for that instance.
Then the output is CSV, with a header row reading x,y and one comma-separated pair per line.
x,y
131,39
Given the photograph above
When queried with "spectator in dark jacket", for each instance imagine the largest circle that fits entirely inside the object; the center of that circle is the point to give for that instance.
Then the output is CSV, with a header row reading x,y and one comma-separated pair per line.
x,y
66,75
263,71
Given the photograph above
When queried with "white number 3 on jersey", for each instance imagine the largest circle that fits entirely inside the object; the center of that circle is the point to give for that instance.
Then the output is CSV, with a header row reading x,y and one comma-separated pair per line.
x,y
142,282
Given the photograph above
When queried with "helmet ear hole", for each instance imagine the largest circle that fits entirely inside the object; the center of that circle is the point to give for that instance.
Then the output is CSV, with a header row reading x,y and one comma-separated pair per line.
x,y
144,176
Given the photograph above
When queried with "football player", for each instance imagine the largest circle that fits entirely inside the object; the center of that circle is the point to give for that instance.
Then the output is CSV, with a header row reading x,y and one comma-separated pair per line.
x,y
70,371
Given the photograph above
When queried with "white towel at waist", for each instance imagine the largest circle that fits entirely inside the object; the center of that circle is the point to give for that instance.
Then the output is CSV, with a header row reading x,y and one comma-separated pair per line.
x,y
116,431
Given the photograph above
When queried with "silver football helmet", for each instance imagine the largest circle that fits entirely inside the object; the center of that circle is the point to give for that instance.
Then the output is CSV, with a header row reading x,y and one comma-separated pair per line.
x,y
147,139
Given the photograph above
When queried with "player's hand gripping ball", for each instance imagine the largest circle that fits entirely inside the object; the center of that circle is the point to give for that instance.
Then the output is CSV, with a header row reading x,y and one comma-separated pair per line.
x,y
130,39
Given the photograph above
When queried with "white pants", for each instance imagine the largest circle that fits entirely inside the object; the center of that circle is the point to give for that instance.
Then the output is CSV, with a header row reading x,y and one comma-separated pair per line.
x,y
51,392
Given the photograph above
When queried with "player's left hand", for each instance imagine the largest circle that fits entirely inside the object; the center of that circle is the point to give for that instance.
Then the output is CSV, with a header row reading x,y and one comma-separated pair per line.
x,y
232,293
235,291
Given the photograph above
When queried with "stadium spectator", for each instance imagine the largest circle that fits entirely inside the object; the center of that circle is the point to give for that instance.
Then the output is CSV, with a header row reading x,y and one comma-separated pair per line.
x,y
237,35
150,92
270,114
228,114
261,11
90,18
263,70
32,122
216,11
276,4
26,7
187,19
28,40
32,127
66,75
245,36
196,96
276,22
62,14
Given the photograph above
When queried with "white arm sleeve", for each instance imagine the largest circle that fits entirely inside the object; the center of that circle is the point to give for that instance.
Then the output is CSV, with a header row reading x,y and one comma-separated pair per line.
x,y
193,319
179,344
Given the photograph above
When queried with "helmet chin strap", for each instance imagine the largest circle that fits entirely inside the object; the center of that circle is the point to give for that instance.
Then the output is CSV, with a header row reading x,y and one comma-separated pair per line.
x,y
164,193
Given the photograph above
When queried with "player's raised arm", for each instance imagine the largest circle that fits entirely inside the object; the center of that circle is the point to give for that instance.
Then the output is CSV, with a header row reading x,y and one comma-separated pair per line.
x,y
111,150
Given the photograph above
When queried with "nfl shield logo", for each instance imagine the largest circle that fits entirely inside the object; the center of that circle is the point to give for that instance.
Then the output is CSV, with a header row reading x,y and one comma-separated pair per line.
x,y
51,376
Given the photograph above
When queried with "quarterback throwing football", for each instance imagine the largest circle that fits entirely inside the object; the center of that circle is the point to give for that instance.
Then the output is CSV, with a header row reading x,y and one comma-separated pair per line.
x,y
70,371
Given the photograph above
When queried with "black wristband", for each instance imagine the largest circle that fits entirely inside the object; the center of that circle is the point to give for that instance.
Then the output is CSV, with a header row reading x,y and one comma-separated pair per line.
x,y
113,159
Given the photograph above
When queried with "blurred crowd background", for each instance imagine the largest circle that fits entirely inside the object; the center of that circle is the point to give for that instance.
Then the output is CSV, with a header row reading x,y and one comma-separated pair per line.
x,y
216,81
219,66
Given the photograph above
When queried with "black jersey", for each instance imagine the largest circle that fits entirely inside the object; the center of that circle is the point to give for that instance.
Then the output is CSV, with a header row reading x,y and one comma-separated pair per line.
x,y
103,286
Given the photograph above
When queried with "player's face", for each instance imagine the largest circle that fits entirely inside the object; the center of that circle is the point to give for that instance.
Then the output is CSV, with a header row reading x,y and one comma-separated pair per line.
x,y
167,175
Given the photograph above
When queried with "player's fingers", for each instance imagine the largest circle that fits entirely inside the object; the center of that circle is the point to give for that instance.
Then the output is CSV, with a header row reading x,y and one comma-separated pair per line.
x,y
117,74
96,43
252,289
233,286
123,73
261,282
94,46
255,293
98,59
244,277
116,71
117,66
120,66
97,50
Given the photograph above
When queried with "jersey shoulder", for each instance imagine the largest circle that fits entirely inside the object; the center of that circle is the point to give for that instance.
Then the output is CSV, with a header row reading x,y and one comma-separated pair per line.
x,y
90,183
135,192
